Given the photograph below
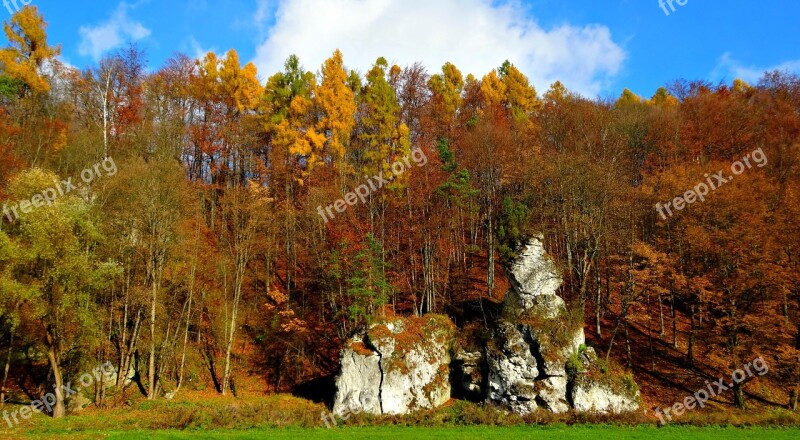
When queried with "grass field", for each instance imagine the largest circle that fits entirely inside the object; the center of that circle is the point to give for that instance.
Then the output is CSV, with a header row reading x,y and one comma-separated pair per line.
x,y
279,416
583,432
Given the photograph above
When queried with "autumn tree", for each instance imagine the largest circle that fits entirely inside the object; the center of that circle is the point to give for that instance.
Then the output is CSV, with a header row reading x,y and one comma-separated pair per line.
x,y
338,107
57,275
28,52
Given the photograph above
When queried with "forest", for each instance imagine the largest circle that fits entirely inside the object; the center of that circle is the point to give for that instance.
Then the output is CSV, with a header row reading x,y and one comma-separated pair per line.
x,y
205,226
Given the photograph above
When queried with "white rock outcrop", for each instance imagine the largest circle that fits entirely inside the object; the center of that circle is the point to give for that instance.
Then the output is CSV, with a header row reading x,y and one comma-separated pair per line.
x,y
594,397
533,358
470,373
534,274
359,384
397,367
596,389
526,360
534,341
512,370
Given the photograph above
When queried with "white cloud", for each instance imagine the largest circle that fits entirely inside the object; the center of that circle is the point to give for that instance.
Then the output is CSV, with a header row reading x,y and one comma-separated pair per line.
x,y
196,50
261,15
475,35
728,69
111,34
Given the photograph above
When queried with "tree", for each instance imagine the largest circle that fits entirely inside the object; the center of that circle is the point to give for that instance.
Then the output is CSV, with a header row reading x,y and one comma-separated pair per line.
x,y
521,97
150,232
446,88
385,137
244,213
368,288
337,104
28,51
59,273
733,273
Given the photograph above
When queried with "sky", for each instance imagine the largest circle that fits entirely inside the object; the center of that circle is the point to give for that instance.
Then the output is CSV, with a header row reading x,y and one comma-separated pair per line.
x,y
595,47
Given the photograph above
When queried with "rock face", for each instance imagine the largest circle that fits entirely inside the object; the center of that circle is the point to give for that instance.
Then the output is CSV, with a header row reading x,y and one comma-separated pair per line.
x,y
533,356
398,366
469,368
595,390
359,383
512,370
596,398
534,342
534,275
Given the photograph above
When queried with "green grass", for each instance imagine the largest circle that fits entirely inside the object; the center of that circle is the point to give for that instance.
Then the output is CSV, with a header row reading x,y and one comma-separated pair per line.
x,y
286,417
562,432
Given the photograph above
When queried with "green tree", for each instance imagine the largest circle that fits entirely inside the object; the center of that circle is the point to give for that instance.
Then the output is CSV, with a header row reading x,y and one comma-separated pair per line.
x,y
369,290
57,273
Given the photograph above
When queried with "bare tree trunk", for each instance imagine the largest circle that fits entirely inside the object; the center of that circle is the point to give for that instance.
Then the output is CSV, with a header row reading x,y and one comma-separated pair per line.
x,y
490,239
226,377
661,314
674,320
793,399
738,395
124,370
613,337
628,345
738,387
151,366
122,344
690,347
60,409
597,310
7,368
189,308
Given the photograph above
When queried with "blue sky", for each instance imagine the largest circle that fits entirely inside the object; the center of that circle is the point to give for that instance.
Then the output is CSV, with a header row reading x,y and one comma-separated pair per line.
x,y
597,47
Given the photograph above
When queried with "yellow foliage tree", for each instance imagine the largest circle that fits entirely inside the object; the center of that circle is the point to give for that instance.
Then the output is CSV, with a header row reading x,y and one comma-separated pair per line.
x,y
493,89
289,108
337,104
447,87
557,93
28,50
628,98
663,99
240,84
520,94
382,136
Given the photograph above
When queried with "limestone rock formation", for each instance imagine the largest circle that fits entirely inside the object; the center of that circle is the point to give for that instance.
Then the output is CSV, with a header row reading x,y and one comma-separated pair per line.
x,y
398,366
359,383
589,396
512,369
536,339
534,275
533,356
602,388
